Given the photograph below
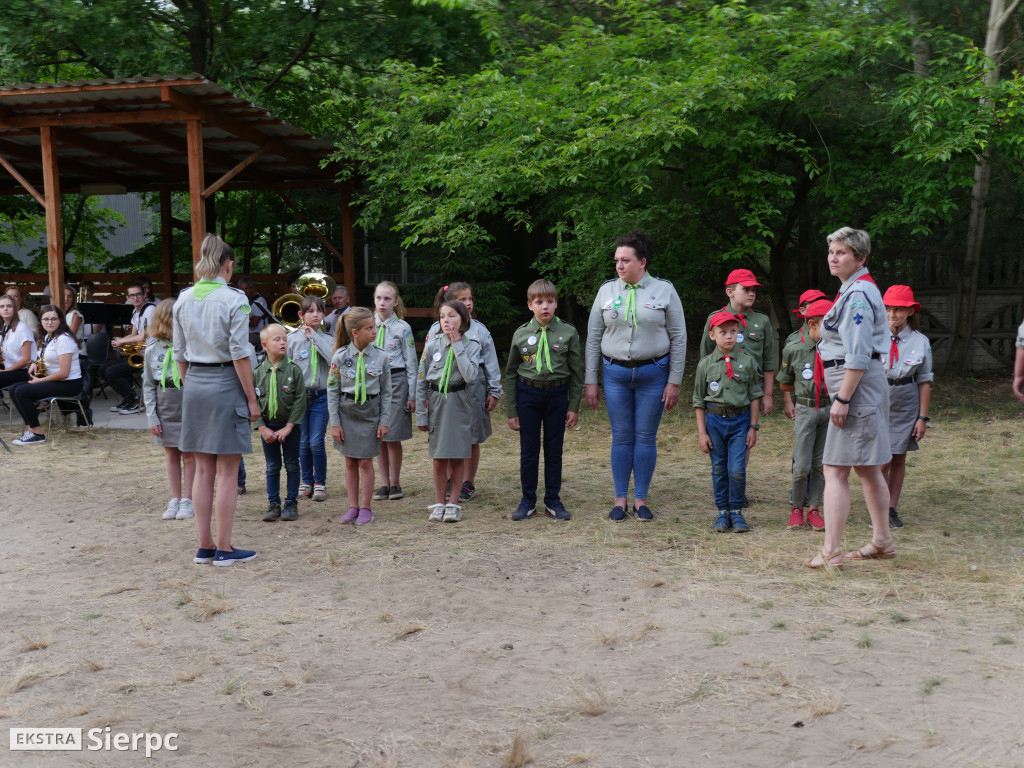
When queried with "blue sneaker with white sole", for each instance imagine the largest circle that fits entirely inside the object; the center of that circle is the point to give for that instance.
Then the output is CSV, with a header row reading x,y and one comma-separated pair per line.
x,y
232,557
524,510
205,556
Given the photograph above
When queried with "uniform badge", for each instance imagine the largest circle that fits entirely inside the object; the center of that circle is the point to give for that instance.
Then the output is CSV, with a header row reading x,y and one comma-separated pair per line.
x,y
807,373
350,373
437,357
246,309
304,354
258,393
739,338
347,361
714,386
615,315
532,340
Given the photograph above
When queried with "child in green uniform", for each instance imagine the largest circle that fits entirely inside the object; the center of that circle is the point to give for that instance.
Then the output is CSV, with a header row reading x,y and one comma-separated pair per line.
x,y
544,379
802,380
727,398
281,394
806,299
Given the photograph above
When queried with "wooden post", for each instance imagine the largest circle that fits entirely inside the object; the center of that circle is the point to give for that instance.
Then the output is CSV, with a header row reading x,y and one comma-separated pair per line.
x,y
196,184
51,193
166,239
348,243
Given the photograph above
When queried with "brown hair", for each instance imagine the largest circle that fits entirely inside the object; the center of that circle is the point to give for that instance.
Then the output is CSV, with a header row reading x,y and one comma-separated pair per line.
x,y
461,310
353,319
449,292
14,319
541,288
309,302
161,326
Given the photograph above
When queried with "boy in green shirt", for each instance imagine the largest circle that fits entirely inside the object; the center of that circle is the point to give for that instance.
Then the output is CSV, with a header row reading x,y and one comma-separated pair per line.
x,y
281,393
544,382
727,398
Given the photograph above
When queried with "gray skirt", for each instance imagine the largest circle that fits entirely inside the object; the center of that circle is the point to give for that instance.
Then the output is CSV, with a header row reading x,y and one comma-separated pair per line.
x,y
904,408
360,421
214,414
168,411
864,439
450,424
481,418
400,426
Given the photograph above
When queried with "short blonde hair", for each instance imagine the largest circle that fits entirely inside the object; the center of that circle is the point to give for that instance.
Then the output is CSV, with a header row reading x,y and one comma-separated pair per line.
x,y
212,255
269,328
161,326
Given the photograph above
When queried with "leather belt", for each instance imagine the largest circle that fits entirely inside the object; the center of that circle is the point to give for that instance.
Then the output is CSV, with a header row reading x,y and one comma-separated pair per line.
x,y
213,365
350,396
721,410
631,363
900,382
543,384
842,360
433,387
809,401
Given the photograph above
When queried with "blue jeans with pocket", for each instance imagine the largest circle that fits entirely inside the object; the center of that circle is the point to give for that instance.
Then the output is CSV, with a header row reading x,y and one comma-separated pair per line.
x,y
728,458
633,397
275,453
312,453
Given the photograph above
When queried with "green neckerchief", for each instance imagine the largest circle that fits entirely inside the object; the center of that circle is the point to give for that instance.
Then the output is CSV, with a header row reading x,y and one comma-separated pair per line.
x,y
360,393
631,303
543,348
272,394
446,374
175,373
382,334
314,358
205,287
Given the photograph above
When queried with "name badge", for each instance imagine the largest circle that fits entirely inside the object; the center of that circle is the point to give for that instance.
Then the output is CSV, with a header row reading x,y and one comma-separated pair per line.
x,y
714,386
437,357
739,338
532,340
807,373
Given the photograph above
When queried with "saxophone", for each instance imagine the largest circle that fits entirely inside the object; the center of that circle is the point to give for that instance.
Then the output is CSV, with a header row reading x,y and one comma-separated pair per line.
x,y
41,364
134,353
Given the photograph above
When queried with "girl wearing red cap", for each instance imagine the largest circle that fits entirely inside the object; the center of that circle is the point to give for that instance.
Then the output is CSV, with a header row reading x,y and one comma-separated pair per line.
x,y
908,368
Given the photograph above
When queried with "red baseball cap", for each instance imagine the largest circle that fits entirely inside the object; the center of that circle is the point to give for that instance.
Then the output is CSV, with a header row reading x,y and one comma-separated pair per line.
x,y
818,308
721,318
742,276
900,296
809,295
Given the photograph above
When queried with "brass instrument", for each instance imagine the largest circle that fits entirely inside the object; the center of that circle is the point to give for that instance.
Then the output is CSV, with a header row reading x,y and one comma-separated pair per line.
x,y
134,353
1,360
41,364
82,291
286,308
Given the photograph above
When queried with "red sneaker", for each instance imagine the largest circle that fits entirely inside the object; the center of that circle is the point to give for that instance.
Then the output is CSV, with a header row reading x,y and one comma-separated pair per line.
x,y
815,520
796,517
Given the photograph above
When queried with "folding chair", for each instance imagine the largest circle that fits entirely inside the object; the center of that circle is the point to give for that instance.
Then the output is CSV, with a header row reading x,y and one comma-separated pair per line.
x,y
97,350
78,401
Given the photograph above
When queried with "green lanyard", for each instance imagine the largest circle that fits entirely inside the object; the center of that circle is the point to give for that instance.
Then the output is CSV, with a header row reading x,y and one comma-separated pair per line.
x,y
382,335
175,373
446,374
631,303
272,395
360,393
314,359
543,349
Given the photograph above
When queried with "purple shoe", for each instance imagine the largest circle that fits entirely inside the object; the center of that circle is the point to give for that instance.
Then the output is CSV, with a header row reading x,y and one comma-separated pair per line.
x,y
350,516
365,516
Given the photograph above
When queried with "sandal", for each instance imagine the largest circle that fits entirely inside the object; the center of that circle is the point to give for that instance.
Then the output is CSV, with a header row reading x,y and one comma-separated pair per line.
x,y
825,560
876,553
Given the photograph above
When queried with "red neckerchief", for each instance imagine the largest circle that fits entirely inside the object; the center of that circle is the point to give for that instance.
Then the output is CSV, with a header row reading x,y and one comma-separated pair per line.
x,y
866,276
728,365
894,350
819,379
739,316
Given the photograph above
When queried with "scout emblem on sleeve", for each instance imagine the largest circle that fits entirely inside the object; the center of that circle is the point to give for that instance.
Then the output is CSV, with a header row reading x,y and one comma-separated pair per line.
x,y
858,318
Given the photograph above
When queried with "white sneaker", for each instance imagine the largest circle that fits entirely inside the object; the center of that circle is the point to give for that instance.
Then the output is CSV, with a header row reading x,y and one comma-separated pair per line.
x,y
452,513
436,513
185,510
172,510
319,492
30,438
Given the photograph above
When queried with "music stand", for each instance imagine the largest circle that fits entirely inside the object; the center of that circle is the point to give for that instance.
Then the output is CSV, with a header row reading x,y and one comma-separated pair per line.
x,y
99,313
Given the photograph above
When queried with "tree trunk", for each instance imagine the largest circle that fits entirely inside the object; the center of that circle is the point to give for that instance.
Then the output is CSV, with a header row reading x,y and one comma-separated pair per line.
x,y
966,288
778,264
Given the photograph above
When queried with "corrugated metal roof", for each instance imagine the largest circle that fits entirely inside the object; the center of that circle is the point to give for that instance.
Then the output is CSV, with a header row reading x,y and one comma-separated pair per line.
x,y
132,132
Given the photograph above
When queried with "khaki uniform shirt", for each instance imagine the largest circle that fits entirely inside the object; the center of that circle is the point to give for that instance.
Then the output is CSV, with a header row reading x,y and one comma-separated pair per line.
x,y
798,369
214,329
711,385
756,339
300,350
291,393
915,357
566,361
342,379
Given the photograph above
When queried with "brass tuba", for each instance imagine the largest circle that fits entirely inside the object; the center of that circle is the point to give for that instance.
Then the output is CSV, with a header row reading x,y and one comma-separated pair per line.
x,y
286,308
134,353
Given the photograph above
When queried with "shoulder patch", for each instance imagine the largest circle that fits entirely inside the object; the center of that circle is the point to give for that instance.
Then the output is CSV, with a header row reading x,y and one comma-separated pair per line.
x,y
246,309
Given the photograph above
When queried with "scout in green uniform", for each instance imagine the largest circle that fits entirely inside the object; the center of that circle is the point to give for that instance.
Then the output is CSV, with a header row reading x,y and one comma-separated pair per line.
x,y
545,373
727,398
281,393
806,298
802,380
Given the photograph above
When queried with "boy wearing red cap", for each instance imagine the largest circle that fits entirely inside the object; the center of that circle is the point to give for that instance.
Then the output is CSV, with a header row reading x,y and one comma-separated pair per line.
x,y
726,398
755,336
806,299
802,380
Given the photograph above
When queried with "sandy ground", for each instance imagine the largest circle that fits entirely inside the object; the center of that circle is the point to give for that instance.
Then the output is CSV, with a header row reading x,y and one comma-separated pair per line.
x,y
413,644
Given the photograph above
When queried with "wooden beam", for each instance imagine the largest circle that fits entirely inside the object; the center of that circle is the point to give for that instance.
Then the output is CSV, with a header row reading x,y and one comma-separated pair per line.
x,y
239,168
210,157
197,205
166,239
51,190
21,180
309,225
89,172
92,88
348,245
111,151
68,119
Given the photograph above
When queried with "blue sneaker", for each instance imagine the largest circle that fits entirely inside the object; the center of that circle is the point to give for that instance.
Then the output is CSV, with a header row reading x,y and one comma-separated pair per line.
x,y
290,512
723,523
524,510
556,510
205,556
739,525
232,557
642,512
617,514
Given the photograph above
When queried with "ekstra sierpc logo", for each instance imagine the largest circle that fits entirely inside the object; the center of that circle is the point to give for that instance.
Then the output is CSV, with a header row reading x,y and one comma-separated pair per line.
x,y
94,740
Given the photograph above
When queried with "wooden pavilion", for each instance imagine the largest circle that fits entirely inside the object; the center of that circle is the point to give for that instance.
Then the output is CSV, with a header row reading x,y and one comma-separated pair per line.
x,y
157,134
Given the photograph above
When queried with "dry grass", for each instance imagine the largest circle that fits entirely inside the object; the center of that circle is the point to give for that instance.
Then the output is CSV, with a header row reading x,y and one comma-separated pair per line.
x,y
591,699
408,631
21,679
37,642
519,754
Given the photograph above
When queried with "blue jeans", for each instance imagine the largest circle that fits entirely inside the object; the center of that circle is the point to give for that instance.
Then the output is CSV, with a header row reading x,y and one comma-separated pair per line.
x,y
312,453
241,470
633,397
728,458
273,453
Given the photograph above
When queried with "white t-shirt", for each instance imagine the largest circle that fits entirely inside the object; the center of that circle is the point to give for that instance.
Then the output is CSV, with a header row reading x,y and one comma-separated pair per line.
x,y
80,336
62,345
141,319
12,345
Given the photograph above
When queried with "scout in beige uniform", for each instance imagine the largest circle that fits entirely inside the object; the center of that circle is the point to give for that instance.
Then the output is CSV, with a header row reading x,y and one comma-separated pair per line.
x,y
726,397
908,369
394,336
359,407
445,405
545,373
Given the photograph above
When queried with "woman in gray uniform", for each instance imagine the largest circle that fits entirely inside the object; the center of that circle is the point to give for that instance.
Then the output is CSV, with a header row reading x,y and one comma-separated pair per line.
x,y
854,336
211,348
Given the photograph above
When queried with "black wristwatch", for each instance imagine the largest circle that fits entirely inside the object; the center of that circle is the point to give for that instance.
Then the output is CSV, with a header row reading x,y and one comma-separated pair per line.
x,y
840,400
755,427
925,419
